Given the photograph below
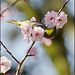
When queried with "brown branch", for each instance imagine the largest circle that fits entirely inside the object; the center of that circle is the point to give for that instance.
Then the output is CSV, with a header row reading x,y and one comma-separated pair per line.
x,y
9,52
19,66
30,55
63,6
9,7
27,52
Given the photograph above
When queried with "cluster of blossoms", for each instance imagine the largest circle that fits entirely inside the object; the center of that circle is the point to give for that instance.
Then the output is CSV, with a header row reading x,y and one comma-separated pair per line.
x,y
5,64
52,19
37,33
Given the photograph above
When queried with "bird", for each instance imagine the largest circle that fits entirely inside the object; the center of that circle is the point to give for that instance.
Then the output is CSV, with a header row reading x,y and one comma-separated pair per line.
x,y
48,32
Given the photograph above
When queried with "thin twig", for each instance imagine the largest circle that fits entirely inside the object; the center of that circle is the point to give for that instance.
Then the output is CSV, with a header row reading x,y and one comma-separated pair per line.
x,y
9,52
9,7
19,66
63,6
27,52
31,55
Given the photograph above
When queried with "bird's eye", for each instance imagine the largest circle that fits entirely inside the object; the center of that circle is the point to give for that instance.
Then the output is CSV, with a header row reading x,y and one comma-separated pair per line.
x,y
19,24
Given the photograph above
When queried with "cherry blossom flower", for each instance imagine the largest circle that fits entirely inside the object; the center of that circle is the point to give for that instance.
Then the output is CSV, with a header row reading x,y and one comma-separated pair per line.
x,y
5,64
47,42
27,31
61,20
50,18
33,19
38,34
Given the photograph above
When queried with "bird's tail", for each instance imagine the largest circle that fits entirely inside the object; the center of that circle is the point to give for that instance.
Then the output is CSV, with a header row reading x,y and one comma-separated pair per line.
x,y
12,22
17,23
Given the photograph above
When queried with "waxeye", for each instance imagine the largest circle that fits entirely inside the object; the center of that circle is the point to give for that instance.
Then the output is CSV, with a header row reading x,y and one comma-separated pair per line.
x,y
50,32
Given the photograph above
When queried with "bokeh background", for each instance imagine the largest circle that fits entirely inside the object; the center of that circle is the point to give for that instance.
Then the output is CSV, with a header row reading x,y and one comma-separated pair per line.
x,y
57,59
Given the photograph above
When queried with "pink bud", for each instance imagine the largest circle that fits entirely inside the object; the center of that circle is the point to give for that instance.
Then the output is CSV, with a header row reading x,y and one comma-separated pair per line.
x,y
33,19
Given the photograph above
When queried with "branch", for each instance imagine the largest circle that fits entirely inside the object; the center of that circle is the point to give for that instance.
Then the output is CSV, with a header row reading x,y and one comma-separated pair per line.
x,y
63,6
30,55
27,52
19,66
9,7
9,52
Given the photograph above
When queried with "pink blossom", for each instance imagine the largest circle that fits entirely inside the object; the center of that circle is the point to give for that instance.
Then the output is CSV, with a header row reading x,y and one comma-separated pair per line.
x,y
33,19
33,51
50,18
38,34
61,20
47,42
27,31
5,64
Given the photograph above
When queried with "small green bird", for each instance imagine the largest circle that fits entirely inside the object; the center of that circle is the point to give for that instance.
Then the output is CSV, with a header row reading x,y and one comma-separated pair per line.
x,y
49,32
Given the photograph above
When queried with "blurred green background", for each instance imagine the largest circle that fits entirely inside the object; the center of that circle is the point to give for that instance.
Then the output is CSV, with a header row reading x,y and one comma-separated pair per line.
x,y
61,52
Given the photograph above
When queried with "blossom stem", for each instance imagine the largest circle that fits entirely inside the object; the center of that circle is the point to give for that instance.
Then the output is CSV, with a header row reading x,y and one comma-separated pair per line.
x,y
63,6
9,52
9,7
19,66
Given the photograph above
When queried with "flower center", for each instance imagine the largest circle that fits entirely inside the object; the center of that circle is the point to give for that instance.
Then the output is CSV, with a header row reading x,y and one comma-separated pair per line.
x,y
60,19
1,63
27,30
37,34
51,18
